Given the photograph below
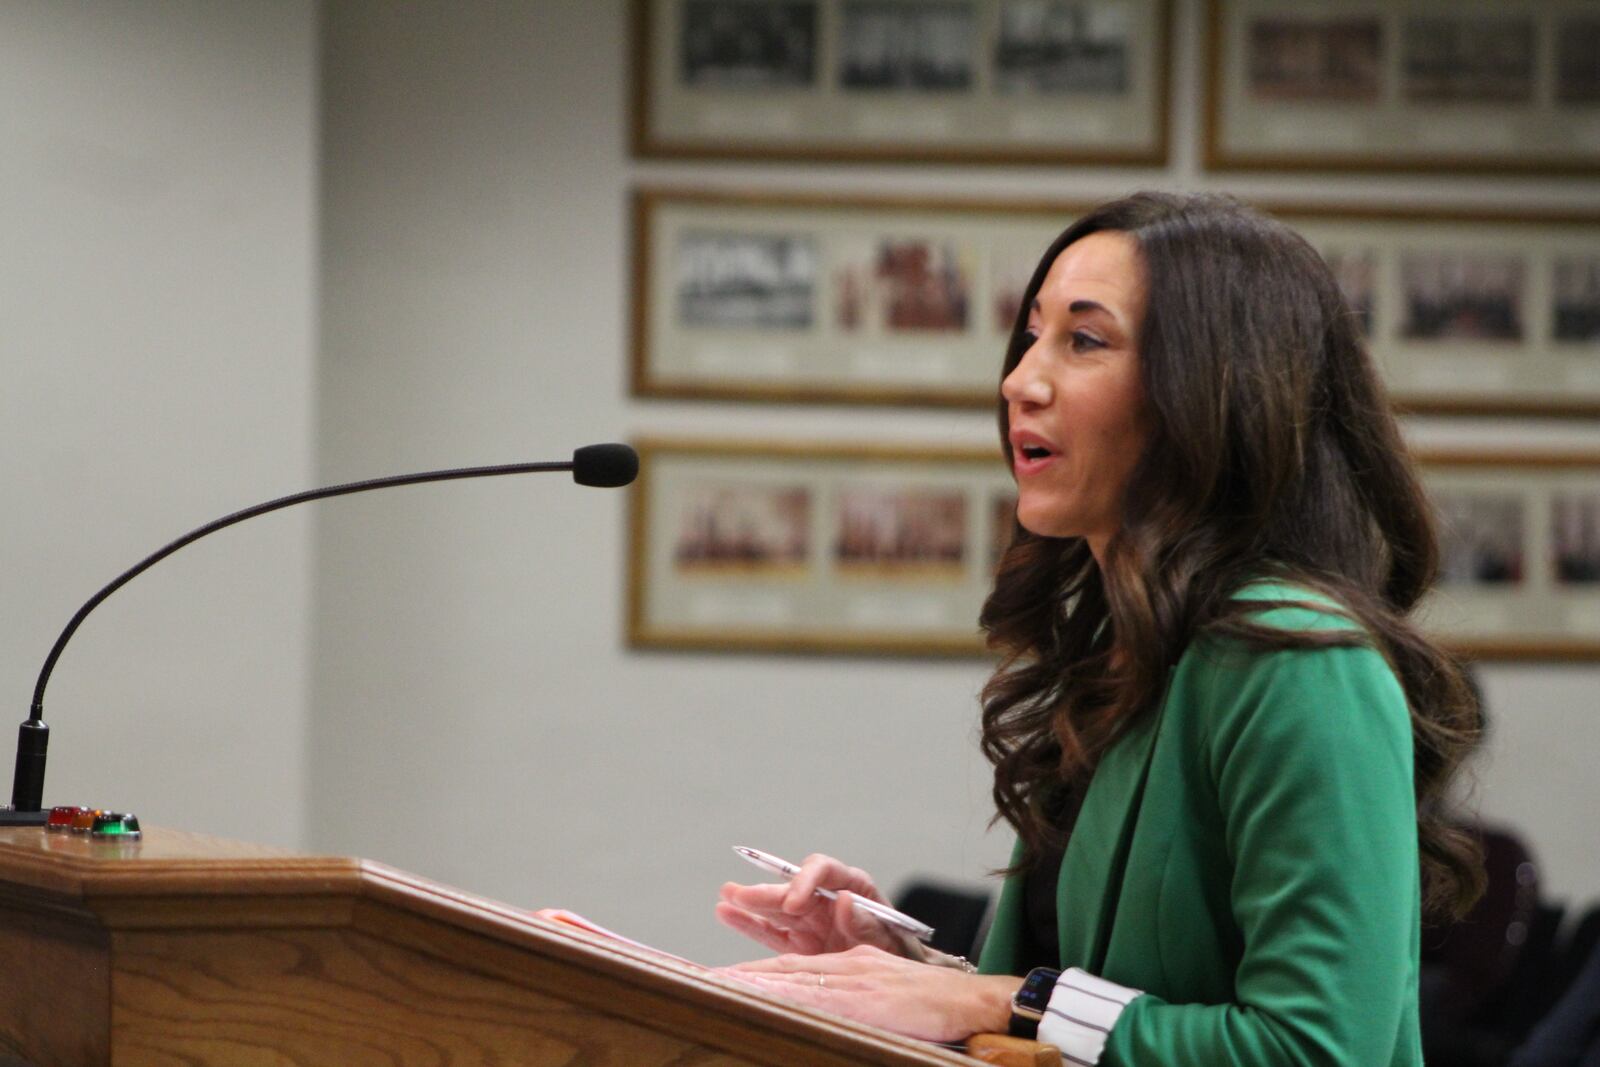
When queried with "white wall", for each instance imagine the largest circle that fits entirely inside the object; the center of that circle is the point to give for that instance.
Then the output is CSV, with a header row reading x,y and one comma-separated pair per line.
x,y
157,296
477,717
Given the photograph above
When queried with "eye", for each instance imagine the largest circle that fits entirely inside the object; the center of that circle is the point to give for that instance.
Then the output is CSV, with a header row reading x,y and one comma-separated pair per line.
x,y
1083,341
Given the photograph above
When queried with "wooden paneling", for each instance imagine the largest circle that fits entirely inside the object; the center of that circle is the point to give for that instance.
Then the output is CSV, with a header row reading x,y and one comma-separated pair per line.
x,y
336,996
55,977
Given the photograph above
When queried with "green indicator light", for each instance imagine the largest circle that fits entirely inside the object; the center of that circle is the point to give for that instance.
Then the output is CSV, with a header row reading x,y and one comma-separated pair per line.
x,y
115,824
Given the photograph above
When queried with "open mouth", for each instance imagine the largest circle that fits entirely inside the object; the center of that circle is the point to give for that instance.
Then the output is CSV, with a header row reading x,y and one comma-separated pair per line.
x,y
1035,452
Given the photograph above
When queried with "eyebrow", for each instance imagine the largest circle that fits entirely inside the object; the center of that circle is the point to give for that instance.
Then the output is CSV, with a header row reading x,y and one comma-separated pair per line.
x,y
1077,307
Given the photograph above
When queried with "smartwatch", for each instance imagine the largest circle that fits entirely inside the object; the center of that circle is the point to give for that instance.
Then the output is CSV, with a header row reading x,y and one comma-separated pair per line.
x,y
1029,1002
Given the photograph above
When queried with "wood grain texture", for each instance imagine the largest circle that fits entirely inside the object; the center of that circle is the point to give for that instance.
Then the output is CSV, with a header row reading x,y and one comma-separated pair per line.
x,y
188,950
683,1001
164,862
1009,1051
55,976
327,996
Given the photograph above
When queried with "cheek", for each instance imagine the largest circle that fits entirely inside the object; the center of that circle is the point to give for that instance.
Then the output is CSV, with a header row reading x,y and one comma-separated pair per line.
x,y
1129,436
1121,433
1132,410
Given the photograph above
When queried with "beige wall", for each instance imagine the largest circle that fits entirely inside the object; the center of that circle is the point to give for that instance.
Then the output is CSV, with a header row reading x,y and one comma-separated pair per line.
x,y
157,311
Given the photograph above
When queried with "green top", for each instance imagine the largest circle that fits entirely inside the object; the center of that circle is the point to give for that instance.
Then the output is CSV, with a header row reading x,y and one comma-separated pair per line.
x,y
1270,906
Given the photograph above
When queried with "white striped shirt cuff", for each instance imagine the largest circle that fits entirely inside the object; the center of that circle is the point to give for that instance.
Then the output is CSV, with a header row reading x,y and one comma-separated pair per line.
x,y
1082,1011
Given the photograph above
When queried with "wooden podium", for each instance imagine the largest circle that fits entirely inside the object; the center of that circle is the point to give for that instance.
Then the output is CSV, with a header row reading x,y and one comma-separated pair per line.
x,y
188,950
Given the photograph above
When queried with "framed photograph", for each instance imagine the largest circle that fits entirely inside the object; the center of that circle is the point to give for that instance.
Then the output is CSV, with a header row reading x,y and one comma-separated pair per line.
x,y
960,81
1403,85
812,547
828,299
1471,313
1519,535
745,545
870,300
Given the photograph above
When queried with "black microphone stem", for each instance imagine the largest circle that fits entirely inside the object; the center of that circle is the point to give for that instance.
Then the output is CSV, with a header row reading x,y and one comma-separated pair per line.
x,y
249,513
607,463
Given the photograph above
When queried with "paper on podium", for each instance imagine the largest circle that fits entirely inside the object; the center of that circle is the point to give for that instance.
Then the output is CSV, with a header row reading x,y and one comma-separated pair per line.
x,y
572,918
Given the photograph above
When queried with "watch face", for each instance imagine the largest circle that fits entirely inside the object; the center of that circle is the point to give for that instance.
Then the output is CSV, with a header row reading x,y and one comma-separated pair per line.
x,y
1034,996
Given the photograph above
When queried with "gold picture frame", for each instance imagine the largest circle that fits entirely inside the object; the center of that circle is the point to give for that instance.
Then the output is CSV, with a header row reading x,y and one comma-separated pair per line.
x,y
946,81
823,298
890,549
811,547
1519,536
1402,85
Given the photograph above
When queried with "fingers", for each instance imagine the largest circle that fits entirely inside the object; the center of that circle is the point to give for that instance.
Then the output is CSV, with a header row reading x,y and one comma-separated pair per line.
x,y
801,989
798,919
852,961
807,932
861,927
788,963
800,895
846,917
758,929
921,1000
825,872
771,901
767,897
751,926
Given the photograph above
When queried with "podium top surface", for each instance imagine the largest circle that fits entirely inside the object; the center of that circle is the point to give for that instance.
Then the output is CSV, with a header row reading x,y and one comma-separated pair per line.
x,y
74,865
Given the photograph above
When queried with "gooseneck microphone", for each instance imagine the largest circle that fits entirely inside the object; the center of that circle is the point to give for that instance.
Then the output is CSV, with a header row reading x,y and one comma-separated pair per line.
x,y
605,466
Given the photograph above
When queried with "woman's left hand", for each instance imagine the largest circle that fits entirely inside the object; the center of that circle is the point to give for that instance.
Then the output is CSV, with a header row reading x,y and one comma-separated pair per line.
x,y
876,987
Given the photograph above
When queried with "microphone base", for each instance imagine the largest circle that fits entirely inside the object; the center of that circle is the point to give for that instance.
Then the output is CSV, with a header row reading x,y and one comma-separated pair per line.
x,y
8,817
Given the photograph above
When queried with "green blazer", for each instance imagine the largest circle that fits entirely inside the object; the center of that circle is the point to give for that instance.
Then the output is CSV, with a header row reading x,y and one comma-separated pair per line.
x,y
1247,856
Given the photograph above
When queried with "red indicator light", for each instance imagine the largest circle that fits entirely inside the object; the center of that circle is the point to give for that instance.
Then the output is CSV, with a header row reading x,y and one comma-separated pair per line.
x,y
61,818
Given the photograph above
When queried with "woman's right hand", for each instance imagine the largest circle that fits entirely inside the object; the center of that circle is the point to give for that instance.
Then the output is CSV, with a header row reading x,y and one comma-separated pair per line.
x,y
791,917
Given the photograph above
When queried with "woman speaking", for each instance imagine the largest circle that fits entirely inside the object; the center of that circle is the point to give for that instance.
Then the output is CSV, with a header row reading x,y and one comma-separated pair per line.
x,y
1221,743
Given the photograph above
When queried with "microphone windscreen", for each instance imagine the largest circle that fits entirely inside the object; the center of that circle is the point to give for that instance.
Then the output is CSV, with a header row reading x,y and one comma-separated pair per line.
x,y
606,466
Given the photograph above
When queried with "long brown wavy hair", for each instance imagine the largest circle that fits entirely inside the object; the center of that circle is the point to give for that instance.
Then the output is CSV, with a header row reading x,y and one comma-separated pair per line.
x,y
1273,453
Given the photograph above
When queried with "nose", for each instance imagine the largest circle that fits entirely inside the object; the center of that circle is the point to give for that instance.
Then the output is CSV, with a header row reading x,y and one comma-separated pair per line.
x,y
1025,386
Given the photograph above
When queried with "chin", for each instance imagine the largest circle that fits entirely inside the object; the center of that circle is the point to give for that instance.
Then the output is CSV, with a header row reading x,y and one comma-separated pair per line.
x,y
1045,525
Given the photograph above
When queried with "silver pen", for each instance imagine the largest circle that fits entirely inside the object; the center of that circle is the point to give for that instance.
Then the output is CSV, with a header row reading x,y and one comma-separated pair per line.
x,y
899,919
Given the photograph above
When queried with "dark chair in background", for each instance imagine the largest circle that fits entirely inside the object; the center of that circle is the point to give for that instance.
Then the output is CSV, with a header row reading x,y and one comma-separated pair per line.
x,y
1569,1035
1488,980
959,915
1578,948
1469,968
